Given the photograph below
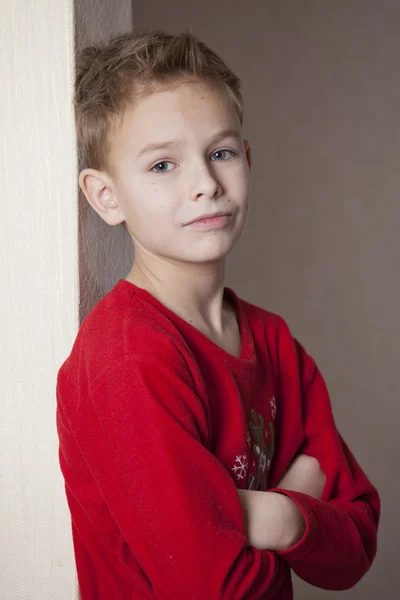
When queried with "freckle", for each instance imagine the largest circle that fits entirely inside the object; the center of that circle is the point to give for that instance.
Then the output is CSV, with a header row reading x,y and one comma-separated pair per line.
x,y
229,199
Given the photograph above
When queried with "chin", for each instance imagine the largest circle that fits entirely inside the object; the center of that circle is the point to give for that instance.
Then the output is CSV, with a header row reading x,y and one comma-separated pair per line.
x,y
214,249
211,255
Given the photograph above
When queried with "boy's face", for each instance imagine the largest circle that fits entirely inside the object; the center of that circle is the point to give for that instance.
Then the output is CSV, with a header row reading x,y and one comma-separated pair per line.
x,y
177,156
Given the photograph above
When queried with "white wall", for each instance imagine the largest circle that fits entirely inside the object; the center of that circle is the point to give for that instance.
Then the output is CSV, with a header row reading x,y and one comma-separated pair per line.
x,y
39,300
39,292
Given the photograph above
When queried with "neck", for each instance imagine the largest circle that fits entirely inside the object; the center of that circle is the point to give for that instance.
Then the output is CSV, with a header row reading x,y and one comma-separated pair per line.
x,y
193,291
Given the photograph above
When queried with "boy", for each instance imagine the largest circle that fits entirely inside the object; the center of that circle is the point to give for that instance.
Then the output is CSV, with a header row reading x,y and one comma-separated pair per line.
x,y
197,442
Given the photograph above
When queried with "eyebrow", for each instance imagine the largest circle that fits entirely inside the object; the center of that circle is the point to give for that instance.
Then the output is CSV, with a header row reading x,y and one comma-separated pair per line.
x,y
171,144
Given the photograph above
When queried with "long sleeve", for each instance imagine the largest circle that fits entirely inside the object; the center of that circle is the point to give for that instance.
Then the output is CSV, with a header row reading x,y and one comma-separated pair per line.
x,y
340,541
149,497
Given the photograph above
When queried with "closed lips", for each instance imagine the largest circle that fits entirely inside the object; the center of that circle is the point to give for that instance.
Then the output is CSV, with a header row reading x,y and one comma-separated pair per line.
x,y
210,216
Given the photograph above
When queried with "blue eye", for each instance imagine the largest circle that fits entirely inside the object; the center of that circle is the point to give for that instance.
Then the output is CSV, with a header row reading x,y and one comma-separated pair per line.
x,y
222,155
161,167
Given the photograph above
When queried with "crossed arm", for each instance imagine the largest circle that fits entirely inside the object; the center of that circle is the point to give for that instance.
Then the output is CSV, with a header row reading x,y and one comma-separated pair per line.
x,y
323,516
273,521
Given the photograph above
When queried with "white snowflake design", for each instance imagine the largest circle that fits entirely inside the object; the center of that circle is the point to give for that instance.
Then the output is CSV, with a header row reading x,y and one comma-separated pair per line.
x,y
263,461
240,469
272,403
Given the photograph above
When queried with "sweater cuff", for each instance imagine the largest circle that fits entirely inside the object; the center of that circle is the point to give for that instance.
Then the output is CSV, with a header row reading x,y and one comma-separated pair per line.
x,y
304,545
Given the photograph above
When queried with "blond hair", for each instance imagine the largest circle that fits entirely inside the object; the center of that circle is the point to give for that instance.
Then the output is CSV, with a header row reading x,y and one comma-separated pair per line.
x,y
107,75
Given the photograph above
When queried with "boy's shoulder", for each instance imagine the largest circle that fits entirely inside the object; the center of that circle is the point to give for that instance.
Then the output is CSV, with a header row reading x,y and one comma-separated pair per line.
x,y
262,319
285,351
120,324
271,330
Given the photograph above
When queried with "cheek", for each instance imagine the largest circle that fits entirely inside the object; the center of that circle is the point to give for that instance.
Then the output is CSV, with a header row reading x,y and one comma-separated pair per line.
x,y
156,198
239,180
247,188
241,194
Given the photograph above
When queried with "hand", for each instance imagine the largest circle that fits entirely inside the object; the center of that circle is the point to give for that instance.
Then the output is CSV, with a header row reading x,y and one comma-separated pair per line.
x,y
304,475
273,521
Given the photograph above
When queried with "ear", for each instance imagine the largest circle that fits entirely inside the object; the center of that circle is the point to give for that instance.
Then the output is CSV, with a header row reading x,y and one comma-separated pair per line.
x,y
248,152
100,192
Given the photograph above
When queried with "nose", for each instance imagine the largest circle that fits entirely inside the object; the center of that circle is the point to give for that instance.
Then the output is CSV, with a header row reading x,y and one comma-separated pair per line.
x,y
206,184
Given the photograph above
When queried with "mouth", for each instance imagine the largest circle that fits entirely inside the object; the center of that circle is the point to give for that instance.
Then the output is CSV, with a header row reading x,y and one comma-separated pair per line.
x,y
210,220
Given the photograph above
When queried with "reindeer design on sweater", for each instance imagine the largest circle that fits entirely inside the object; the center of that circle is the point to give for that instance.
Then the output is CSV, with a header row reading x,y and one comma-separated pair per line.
x,y
264,451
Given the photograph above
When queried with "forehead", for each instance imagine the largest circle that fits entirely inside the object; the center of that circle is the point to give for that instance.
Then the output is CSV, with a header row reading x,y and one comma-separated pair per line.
x,y
192,110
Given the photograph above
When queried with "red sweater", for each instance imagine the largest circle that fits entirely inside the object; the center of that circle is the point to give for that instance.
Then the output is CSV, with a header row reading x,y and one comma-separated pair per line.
x,y
158,426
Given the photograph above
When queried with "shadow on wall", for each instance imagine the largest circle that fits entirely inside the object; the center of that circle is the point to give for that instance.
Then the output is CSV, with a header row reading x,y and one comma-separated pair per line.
x,y
105,255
